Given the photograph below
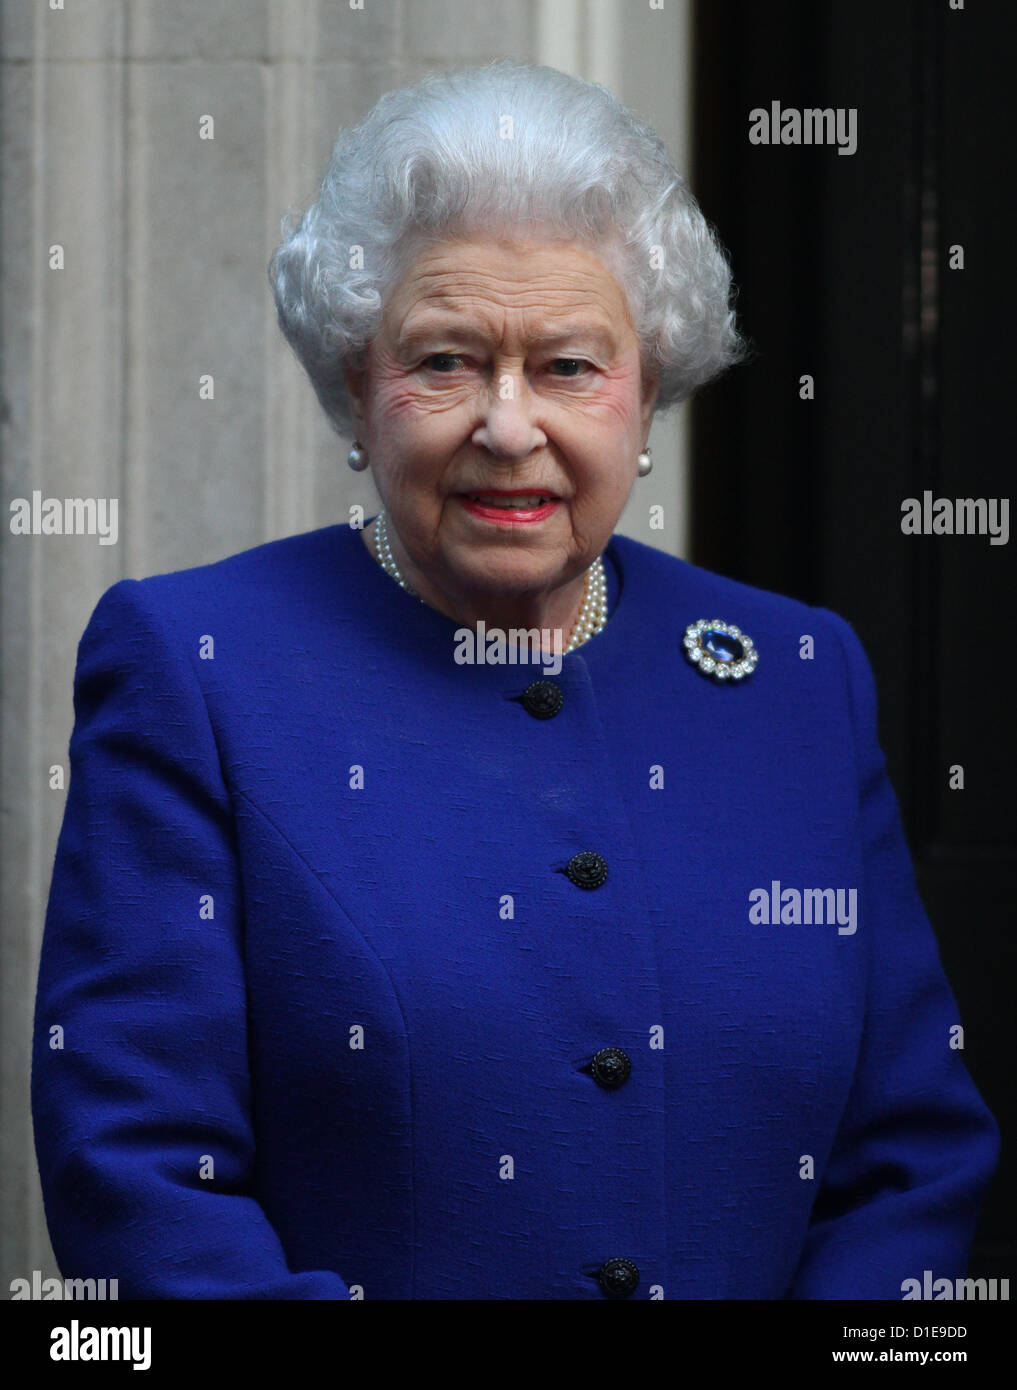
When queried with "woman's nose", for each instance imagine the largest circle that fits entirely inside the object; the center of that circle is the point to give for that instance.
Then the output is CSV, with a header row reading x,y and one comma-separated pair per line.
x,y
508,429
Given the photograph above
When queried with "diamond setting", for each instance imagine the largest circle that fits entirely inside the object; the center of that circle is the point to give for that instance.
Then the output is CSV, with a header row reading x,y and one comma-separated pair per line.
x,y
720,650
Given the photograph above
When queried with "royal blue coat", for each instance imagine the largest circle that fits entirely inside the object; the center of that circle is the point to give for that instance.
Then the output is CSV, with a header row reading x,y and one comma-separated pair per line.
x,y
323,1011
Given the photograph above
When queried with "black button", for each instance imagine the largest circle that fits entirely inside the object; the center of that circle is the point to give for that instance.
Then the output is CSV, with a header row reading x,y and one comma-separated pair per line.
x,y
542,699
611,1068
587,869
618,1277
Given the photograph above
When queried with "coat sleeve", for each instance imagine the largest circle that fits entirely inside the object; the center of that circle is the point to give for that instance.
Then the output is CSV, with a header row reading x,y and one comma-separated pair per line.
x,y
141,1093
916,1146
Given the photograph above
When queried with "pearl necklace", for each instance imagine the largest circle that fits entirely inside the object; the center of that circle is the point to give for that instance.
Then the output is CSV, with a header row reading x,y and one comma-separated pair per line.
x,y
592,614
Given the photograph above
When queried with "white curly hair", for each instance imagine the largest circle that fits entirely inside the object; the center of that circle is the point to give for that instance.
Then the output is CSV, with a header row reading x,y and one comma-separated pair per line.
x,y
505,147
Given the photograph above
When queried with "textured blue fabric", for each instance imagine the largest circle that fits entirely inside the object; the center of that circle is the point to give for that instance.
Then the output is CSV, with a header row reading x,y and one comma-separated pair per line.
x,y
385,1168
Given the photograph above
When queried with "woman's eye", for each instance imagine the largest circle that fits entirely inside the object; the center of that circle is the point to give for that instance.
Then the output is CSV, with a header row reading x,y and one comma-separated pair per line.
x,y
447,363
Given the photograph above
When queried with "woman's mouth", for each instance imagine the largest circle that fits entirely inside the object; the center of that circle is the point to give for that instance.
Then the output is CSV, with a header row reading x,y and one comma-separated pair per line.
x,y
509,507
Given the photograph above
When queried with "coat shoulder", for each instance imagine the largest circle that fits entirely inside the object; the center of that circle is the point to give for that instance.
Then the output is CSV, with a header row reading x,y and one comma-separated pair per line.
x,y
271,565
274,577
775,622
718,596
272,571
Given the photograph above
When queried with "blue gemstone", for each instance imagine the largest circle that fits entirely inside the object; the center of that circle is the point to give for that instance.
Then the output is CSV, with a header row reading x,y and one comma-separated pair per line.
x,y
722,646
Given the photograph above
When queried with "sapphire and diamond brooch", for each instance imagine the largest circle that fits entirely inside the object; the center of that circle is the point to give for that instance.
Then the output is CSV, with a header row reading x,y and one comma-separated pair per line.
x,y
720,650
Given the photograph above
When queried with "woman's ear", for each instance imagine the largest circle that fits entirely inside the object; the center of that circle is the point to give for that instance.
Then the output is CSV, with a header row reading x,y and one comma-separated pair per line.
x,y
651,389
354,378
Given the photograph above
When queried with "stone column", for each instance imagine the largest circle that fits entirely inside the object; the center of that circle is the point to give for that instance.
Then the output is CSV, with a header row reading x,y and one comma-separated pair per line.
x,y
642,52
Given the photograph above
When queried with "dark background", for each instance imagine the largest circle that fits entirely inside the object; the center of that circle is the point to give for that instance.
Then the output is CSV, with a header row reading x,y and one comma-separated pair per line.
x,y
842,268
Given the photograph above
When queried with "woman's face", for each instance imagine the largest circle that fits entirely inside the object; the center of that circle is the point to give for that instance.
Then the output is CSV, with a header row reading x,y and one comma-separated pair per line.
x,y
503,365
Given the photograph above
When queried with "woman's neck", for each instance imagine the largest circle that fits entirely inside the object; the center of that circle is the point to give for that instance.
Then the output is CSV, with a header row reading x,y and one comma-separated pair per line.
x,y
554,610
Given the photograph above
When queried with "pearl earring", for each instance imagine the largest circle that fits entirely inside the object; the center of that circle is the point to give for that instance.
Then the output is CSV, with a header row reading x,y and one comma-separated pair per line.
x,y
645,461
357,457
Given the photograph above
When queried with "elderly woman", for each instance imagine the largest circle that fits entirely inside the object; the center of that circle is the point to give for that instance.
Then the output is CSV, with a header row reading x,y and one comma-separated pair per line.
x,y
481,904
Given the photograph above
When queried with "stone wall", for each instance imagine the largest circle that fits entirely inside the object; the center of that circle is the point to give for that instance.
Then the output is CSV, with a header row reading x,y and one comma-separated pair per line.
x,y
133,264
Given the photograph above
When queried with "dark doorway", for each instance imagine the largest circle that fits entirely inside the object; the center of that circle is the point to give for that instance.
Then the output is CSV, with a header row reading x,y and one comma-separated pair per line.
x,y
846,275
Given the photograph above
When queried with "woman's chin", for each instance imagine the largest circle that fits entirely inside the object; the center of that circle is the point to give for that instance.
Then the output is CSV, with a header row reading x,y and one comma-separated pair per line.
x,y
507,581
